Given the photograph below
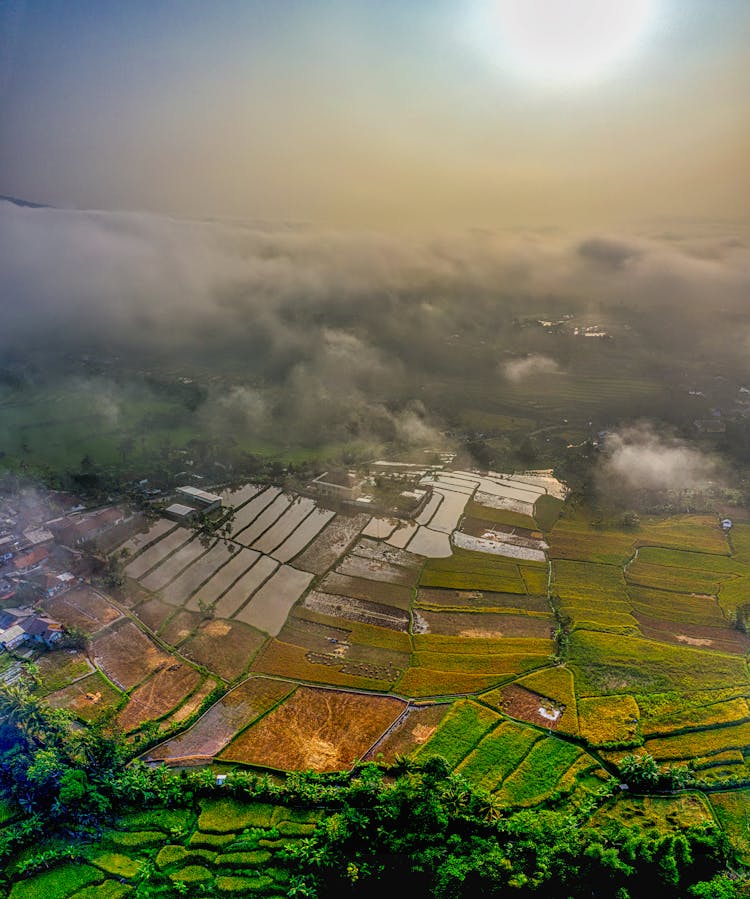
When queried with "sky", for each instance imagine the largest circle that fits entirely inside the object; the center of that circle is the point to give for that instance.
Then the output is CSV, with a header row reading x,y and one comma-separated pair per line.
x,y
427,114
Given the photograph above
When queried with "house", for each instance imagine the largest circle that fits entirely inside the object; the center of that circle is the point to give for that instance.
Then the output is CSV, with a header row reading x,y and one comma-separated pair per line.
x,y
28,560
43,630
200,499
37,536
12,637
337,485
180,512
79,529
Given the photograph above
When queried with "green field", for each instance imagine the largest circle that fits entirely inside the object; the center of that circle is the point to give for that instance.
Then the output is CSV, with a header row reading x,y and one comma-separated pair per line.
x,y
497,755
605,664
539,772
459,732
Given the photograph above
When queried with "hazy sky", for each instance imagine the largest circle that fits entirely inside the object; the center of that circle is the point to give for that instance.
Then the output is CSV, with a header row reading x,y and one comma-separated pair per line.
x,y
385,113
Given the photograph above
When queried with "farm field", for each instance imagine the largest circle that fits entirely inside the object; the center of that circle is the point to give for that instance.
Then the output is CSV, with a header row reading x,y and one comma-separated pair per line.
x,y
337,638
412,730
216,727
247,513
321,730
304,534
223,847
298,510
331,543
731,809
157,696
197,573
82,607
268,608
126,655
245,586
91,698
158,578
157,552
224,647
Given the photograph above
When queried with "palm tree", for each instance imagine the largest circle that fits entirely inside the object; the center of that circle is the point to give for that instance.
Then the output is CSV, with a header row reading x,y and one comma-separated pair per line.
x,y
30,714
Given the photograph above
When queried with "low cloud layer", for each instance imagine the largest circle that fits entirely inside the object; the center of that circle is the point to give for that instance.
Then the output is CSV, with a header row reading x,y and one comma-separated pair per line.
x,y
344,333
519,370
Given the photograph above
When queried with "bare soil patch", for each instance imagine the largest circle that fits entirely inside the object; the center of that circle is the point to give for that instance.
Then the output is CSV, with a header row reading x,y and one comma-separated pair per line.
x,y
224,647
82,607
322,730
160,693
518,702
127,655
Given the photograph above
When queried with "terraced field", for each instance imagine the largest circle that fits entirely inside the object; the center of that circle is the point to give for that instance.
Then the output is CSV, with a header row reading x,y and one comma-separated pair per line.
x,y
313,639
222,848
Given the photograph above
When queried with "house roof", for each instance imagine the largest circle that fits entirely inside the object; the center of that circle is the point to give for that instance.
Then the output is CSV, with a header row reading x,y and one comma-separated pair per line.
x,y
12,633
38,626
32,557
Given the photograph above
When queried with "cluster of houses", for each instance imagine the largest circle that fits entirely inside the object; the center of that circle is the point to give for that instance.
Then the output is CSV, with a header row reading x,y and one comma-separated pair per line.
x,y
17,625
42,538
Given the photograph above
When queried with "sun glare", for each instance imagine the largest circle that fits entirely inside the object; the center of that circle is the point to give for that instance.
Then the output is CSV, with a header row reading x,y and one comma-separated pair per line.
x,y
569,40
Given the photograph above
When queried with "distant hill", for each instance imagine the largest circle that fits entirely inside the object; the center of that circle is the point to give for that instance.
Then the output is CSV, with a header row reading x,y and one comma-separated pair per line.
x,y
18,202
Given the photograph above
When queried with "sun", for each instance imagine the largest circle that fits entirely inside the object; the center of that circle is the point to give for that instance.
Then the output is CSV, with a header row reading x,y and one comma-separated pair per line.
x,y
569,40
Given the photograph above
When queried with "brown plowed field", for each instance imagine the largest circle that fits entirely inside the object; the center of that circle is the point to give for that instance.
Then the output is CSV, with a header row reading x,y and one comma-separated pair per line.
x,y
322,730
126,655
722,639
518,702
224,647
82,607
480,599
373,591
350,609
160,693
411,731
231,713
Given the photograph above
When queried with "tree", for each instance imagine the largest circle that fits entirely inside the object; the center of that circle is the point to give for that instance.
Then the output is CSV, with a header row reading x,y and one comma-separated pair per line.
x,y
640,771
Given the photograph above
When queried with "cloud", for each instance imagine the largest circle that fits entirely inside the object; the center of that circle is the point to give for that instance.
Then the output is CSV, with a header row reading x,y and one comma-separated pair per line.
x,y
640,458
518,370
608,252
332,334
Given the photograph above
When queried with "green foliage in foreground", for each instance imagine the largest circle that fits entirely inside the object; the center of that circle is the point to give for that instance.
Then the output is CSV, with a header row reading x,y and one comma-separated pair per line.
x,y
413,827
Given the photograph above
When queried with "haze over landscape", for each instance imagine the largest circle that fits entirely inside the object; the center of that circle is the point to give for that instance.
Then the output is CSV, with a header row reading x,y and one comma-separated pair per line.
x,y
374,407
